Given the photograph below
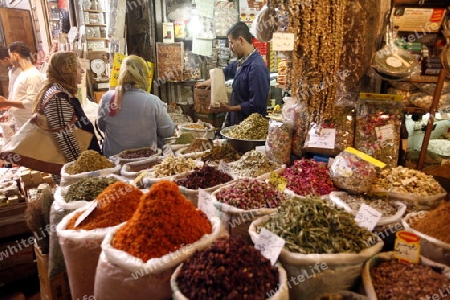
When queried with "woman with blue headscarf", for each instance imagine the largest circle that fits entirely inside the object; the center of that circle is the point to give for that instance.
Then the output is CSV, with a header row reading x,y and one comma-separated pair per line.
x,y
131,117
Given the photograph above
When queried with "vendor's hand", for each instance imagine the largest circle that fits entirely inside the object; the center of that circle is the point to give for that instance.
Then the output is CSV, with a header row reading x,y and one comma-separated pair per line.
x,y
203,84
3,99
222,108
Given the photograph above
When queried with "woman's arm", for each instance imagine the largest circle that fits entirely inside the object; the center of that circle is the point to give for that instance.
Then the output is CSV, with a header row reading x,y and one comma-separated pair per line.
x,y
59,112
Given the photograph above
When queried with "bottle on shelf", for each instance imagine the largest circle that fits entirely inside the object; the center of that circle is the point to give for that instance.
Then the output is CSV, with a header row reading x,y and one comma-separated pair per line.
x,y
404,135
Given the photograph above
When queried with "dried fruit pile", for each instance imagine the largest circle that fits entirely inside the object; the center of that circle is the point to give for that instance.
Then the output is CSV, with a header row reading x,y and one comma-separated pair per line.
x,y
203,178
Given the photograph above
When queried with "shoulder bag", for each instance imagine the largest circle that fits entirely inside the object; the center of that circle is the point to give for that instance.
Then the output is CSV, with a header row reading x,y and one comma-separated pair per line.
x,y
35,147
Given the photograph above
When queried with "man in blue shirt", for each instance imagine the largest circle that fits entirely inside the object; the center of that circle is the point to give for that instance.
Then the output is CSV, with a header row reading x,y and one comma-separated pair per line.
x,y
251,78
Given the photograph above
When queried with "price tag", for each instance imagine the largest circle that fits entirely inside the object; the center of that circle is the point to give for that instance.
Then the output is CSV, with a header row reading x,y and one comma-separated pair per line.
x,y
367,217
205,204
385,133
86,213
167,151
325,139
283,41
270,245
277,181
224,167
407,247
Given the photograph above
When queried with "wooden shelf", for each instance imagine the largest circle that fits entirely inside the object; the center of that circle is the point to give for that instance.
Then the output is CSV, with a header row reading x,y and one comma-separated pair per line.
x,y
412,110
95,25
422,79
94,10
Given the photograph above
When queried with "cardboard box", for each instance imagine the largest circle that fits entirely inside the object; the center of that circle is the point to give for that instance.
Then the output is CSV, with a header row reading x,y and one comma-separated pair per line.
x,y
202,100
56,288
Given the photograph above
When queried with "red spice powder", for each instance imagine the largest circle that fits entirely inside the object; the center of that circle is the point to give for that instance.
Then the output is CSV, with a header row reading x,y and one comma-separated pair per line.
x,y
116,204
164,222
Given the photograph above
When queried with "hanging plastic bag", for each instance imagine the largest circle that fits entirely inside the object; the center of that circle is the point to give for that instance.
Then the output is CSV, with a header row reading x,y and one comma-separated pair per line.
x,y
279,140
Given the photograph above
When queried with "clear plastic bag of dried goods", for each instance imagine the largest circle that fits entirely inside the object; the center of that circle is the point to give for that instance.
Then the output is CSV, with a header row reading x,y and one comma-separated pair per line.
x,y
296,113
278,141
332,136
351,173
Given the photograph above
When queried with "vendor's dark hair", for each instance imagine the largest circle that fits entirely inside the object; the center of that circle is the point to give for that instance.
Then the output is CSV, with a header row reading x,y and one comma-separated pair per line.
x,y
241,29
3,53
21,48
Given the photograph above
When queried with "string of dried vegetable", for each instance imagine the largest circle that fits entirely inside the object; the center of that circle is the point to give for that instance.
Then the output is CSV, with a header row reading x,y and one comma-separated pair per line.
x,y
312,225
163,223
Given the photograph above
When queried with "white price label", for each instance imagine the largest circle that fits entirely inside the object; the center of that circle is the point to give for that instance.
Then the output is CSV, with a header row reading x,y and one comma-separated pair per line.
x,y
270,245
407,247
86,213
325,138
367,217
167,151
224,167
385,133
205,204
283,41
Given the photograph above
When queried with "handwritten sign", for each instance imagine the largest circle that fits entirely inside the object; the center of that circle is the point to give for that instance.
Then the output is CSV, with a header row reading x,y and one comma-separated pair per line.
x,y
385,133
407,247
167,151
283,41
90,208
224,167
270,245
202,46
367,217
325,138
205,204
277,181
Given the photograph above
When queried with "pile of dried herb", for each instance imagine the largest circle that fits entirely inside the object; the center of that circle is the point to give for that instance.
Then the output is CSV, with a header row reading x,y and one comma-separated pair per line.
x,y
255,127
434,223
224,152
203,178
164,222
89,161
87,189
383,205
312,225
228,269
253,164
251,194
398,280
199,145
116,204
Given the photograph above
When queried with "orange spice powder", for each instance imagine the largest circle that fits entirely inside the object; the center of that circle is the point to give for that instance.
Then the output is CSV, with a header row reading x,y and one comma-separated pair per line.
x,y
435,223
164,222
116,204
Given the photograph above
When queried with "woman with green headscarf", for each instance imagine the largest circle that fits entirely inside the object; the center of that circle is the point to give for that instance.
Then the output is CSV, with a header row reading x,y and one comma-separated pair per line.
x,y
131,117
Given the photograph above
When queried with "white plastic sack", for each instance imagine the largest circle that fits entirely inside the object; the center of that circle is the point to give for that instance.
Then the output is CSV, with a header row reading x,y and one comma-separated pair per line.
x,y
320,273
218,91
430,247
91,110
376,259
122,161
67,179
415,202
150,178
81,249
121,275
59,209
128,169
335,197
281,294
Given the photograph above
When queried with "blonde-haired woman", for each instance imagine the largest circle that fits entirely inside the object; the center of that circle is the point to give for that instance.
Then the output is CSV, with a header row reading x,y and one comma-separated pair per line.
x,y
131,117
57,101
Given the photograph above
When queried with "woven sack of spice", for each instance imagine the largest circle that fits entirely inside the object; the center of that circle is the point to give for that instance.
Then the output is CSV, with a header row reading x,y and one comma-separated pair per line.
x,y
120,274
246,199
336,198
402,280
81,250
430,247
207,178
281,294
136,154
59,209
321,273
168,167
132,170
81,233
68,179
343,295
